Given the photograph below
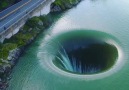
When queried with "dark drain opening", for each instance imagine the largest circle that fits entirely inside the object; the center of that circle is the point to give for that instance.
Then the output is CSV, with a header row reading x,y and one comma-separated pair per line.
x,y
85,55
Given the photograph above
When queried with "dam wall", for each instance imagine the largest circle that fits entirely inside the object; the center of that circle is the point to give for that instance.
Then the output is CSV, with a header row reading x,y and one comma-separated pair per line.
x,y
42,9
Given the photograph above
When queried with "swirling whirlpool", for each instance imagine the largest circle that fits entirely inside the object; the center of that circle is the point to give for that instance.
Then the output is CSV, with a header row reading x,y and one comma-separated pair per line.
x,y
82,54
86,48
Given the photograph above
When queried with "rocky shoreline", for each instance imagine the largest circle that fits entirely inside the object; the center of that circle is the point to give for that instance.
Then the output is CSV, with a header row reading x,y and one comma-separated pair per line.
x,y
30,31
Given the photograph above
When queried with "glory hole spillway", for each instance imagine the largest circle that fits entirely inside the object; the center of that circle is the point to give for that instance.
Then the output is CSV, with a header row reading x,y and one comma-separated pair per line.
x,y
83,52
85,49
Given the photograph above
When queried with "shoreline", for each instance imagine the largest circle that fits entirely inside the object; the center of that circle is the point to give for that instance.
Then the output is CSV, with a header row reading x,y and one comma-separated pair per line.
x,y
26,35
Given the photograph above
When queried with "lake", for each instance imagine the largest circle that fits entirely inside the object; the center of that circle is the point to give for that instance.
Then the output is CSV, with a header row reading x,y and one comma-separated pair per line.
x,y
93,30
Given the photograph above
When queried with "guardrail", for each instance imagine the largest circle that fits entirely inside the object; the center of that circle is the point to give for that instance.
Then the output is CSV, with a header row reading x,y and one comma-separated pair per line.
x,y
25,12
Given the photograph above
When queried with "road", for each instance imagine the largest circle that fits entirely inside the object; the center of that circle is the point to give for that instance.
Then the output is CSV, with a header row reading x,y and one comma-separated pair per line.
x,y
14,13
13,8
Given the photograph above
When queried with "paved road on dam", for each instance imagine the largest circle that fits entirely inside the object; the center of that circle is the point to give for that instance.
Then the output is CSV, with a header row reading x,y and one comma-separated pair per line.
x,y
13,8
14,13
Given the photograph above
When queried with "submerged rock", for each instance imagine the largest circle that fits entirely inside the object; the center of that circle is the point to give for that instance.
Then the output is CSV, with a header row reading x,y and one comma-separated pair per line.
x,y
40,23
13,56
59,6
55,8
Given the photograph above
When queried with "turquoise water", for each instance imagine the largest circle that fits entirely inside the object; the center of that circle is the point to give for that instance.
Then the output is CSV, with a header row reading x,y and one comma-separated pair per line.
x,y
36,71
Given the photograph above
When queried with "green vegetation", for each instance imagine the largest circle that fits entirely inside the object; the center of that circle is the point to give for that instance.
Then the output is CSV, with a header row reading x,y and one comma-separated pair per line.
x,y
26,34
11,47
30,30
64,4
8,49
4,50
32,22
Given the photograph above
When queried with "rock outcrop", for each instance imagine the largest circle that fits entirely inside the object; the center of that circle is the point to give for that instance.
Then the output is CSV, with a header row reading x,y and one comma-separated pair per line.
x,y
60,5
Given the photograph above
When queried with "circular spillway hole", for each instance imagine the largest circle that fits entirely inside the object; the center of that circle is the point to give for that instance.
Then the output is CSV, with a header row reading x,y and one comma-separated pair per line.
x,y
85,55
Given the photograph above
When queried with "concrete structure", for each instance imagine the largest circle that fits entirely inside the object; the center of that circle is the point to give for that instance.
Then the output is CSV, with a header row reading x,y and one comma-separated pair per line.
x,y
11,26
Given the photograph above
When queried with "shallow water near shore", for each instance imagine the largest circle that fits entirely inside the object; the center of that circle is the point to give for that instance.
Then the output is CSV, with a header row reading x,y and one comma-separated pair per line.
x,y
100,24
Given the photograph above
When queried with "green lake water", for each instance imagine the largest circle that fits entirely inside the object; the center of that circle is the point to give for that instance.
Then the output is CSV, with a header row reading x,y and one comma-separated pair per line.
x,y
106,20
